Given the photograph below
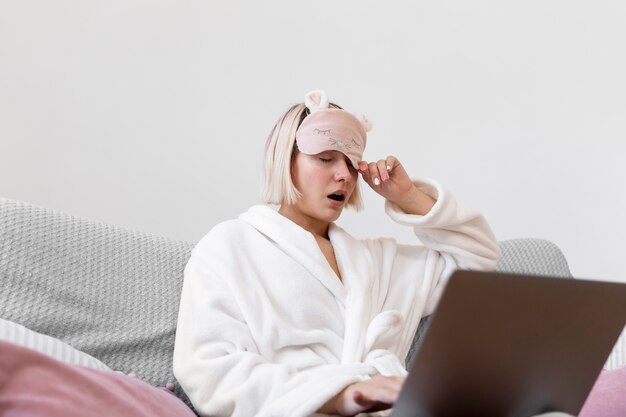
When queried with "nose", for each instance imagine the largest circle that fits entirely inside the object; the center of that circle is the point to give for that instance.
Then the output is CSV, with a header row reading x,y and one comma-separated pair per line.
x,y
342,172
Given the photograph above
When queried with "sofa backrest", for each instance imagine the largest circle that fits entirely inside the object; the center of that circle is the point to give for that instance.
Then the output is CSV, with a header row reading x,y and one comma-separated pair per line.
x,y
533,256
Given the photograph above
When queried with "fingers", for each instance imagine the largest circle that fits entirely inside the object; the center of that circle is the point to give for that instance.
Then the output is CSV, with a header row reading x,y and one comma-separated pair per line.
x,y
373,173
382,170
375,394
376,173
379,389
363,400
371,397
364,170
392,163
391,382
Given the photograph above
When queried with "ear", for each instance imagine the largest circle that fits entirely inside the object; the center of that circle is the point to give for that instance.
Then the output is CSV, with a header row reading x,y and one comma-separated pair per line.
x,y
367,125
316,100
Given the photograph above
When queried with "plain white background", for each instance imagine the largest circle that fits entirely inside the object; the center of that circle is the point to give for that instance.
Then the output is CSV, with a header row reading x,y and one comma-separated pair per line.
x,y
152,115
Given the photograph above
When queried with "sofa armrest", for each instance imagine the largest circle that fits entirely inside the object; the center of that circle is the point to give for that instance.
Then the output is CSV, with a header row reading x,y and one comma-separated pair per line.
x,y
533,256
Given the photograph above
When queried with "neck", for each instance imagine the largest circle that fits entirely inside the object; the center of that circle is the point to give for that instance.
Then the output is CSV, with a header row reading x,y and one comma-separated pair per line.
x,y
317,227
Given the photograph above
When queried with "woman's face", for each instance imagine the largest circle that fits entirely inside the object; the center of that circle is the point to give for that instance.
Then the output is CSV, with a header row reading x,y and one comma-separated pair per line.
x,y
326,182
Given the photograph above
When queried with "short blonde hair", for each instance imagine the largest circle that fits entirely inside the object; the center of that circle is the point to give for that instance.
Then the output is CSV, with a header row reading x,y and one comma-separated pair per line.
x,y
280,152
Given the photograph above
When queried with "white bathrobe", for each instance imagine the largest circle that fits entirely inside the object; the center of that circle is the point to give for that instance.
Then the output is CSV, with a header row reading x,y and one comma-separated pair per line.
x,y
266,328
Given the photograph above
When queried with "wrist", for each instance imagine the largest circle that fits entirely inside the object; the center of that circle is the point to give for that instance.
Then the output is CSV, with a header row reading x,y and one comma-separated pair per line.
x,y
415,201
330,406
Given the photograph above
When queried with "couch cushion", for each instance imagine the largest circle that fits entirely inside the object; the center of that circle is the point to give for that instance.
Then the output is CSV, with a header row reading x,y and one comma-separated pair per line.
x,y
20,335
33,384
109,292
608,395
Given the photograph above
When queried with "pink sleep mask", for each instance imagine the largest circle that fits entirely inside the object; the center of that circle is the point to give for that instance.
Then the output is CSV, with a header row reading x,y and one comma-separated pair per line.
x,y
331,129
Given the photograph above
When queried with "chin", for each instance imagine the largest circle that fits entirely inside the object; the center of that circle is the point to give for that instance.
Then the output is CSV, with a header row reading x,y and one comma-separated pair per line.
x,y
334,215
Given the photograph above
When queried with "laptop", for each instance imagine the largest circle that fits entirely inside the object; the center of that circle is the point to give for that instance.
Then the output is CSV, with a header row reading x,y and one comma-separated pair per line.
x,y
505,345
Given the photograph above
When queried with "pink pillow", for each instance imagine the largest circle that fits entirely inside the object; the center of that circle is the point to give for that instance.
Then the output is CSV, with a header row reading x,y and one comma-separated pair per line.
x,y
33,384
608,396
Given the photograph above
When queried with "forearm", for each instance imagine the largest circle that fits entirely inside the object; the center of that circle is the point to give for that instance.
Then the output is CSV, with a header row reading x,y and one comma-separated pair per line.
x,y
450,228
416,202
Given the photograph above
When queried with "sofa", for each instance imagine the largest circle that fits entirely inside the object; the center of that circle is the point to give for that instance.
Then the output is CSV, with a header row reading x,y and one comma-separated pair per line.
x,y
113,293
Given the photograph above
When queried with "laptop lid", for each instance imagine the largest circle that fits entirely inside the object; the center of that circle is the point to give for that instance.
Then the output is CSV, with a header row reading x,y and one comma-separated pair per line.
x,y
513,346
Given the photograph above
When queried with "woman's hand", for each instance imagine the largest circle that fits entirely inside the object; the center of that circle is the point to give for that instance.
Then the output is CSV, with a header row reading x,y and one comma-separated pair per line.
x,y
389,179
375,394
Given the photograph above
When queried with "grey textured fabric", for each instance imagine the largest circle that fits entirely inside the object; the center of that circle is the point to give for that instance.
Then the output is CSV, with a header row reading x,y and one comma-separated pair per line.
x,y
110,292
533,256
51,346
519,256
114,293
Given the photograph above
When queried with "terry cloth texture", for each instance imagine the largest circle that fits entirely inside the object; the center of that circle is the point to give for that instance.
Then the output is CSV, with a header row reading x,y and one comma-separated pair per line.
x,y
286,333
109,292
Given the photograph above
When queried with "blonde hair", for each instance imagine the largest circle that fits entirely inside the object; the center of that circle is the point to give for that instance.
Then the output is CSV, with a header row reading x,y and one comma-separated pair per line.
x,y
280,152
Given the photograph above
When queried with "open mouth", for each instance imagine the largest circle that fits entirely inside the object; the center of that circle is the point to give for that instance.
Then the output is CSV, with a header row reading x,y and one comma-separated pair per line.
x,y
337,196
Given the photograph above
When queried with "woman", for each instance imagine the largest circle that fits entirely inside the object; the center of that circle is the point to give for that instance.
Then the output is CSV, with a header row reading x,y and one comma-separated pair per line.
x,y
283,313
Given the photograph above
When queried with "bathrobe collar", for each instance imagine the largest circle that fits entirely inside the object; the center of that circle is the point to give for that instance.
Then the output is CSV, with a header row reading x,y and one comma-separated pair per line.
x,y
300,244
355,293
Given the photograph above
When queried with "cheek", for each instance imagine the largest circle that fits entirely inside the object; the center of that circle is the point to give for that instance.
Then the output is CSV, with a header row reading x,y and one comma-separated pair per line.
x,y
308,179
355,177
300,172
319,178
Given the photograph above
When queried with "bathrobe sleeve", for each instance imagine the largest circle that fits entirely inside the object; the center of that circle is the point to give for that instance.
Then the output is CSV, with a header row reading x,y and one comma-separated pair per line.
x,y
218,365
455,237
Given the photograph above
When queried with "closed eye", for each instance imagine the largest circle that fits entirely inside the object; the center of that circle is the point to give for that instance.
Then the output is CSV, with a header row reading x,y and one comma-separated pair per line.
x,y
325,160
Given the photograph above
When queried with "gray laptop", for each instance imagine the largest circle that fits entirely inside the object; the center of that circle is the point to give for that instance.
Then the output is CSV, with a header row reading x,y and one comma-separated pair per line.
x,y
503,345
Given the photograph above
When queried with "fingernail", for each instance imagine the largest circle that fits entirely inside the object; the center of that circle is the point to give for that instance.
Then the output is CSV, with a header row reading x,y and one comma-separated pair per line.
x,y
376,181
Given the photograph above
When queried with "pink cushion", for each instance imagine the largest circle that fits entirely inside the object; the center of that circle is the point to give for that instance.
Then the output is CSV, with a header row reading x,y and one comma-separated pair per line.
x,y
608,396
33,384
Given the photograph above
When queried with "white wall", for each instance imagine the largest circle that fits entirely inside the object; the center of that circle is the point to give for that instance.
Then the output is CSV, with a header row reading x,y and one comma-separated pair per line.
x,y
153,114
